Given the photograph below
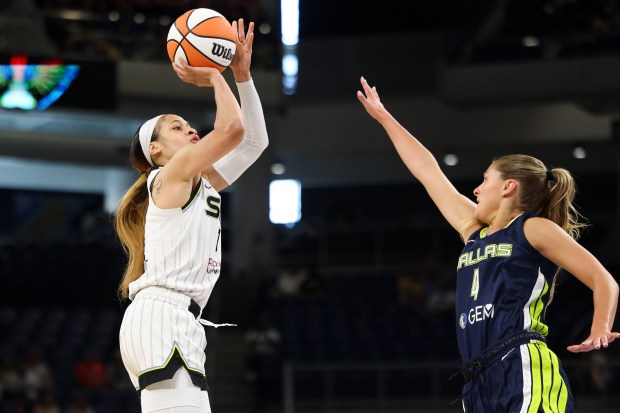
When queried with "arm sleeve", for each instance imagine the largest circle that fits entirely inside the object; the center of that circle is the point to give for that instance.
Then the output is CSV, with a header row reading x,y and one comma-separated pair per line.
x,y
234,163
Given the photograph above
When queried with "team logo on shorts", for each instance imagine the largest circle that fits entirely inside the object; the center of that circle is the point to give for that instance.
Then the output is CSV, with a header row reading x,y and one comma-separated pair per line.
x,y
463,321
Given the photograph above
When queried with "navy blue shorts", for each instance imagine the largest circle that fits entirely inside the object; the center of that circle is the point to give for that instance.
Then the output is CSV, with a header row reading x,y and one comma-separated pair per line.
x,y
528,379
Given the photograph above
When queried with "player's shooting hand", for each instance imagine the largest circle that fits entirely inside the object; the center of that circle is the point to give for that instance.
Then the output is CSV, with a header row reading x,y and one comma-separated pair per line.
x,y
199,76
240,65
596,341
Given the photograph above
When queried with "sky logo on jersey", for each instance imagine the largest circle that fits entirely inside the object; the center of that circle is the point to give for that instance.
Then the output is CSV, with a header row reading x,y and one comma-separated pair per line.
x,y
213,207
477,314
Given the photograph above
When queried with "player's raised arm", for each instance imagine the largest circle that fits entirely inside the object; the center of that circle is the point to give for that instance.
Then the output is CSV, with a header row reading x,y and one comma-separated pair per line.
x,y
456,208
255,140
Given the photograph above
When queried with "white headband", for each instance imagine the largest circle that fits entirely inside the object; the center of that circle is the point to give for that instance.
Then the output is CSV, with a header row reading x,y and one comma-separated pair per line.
x,y
145,134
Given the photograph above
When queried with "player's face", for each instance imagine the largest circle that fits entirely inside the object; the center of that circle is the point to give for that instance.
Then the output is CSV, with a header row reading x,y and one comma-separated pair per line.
x,y
488,195
176,133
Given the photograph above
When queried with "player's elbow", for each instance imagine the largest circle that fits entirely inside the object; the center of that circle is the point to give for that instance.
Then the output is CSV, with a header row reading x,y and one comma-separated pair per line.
x,y
234,131
614,288
264,143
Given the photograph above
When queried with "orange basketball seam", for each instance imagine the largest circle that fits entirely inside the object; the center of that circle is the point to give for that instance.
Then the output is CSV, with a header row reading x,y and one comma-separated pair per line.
x,y
211,37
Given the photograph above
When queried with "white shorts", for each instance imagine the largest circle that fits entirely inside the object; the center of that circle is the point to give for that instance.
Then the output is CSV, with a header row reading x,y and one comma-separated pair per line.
x,y
158,335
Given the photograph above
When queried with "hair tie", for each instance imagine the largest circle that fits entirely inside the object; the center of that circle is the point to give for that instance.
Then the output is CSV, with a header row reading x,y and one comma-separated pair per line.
x,y
550,176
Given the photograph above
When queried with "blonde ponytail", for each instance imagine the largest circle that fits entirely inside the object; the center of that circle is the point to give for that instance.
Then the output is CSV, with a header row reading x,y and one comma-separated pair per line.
x,y
549,193
129,226
131,215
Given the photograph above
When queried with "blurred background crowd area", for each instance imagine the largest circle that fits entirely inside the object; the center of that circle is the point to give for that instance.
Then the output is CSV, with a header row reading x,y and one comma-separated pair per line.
x,y
481,31
114,30
526,30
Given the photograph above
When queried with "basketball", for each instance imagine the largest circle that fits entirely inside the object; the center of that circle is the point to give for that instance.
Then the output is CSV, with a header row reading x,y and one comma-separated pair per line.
x,y
203,37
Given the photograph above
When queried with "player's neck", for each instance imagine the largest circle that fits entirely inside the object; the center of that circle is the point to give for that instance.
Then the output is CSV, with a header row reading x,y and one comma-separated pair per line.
x,y
502,220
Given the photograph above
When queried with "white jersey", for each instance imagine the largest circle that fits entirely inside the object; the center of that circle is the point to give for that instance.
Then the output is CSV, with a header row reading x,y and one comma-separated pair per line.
x,y
182,246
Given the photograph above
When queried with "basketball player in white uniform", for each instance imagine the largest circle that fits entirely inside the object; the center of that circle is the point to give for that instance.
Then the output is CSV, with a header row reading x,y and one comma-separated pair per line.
x,y
175,204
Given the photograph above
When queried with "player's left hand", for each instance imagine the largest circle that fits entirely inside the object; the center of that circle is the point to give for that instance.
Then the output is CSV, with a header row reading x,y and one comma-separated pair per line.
x,y
240,65
199,76
596,341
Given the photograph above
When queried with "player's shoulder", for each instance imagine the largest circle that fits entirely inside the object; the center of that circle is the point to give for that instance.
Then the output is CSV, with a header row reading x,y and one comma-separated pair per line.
x,y
540,231
539,223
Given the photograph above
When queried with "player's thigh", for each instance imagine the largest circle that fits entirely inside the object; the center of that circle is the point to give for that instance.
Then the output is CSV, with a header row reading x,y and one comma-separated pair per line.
x,y
177,395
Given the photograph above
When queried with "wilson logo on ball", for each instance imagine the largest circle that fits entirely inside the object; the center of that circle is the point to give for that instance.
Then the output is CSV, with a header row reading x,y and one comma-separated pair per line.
x,y
223,52
203,37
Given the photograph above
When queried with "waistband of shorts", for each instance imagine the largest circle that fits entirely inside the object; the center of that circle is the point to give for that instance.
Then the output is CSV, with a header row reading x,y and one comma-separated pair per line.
x,y
473,368
164,294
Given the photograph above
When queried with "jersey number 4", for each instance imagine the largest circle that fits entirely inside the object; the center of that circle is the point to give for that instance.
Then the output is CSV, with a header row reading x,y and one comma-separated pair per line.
x,y
475,284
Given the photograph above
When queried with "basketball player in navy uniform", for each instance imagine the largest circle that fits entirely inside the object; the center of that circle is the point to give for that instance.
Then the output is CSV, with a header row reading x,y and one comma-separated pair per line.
x,y
521,229
169,223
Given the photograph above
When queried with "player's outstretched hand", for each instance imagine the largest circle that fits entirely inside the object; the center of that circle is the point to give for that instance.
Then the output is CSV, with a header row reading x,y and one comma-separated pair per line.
x,y
199,76
370,100
594,342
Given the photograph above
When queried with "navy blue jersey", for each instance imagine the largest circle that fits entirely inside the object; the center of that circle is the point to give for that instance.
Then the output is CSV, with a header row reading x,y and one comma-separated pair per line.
x,y
502,286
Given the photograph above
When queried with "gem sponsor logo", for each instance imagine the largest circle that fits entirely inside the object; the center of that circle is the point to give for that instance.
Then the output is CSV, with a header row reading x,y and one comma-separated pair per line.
x,y
477,314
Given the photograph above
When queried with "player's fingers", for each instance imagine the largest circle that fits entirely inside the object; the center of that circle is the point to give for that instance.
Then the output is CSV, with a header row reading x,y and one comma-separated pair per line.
x,y
250,28
365,84
604,342
241,30
596,343
182,63
375,94
179,70
248,41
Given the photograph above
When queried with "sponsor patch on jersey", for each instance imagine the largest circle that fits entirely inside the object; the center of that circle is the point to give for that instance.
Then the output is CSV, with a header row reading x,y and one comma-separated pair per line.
x,y
213,267
463,321
477,314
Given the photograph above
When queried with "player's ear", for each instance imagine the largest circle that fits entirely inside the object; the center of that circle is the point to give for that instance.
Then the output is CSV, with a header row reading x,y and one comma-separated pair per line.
x,y
510,187
154,149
